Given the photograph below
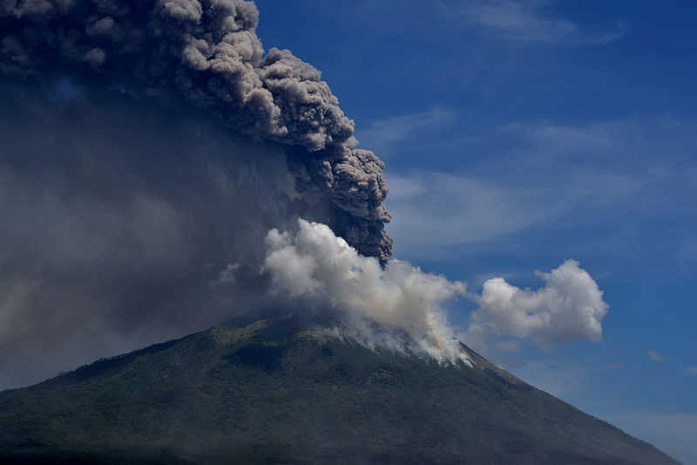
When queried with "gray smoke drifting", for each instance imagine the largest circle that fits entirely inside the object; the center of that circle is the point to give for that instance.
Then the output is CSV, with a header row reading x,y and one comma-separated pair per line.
x,y
155,169
206,53
124,224
146,149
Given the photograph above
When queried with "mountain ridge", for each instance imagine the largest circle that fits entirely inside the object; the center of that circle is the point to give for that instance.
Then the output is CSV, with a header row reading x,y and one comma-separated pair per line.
x,y
280,390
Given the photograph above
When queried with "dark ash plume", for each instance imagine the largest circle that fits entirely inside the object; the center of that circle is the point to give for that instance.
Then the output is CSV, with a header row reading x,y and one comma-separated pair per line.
x,y
206,53
146,149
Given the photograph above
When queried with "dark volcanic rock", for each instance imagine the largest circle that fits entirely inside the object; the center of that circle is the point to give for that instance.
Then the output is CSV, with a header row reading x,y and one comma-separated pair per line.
x,y
277,392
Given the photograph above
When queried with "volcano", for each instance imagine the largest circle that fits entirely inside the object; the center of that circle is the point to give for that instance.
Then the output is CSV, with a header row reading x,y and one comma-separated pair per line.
x,y
283,390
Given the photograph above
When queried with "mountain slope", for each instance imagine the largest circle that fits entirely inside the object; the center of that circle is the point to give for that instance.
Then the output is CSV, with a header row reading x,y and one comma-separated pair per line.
x,y
275,391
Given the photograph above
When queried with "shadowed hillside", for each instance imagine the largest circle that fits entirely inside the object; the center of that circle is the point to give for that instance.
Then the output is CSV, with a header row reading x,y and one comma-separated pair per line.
x,y
277,391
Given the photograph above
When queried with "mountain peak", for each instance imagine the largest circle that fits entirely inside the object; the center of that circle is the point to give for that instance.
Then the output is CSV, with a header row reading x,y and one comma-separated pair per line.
x,y
286,390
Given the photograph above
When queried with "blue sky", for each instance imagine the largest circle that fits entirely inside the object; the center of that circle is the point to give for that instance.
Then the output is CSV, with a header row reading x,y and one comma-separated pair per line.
x,y
518,135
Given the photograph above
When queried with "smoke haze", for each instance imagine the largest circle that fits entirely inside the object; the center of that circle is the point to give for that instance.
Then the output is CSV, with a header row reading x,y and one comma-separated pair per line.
x,y
147,149
160,173
206,54
124,224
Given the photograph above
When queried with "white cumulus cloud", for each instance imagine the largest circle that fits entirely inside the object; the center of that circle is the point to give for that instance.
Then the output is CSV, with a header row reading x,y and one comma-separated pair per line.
x,y
570,306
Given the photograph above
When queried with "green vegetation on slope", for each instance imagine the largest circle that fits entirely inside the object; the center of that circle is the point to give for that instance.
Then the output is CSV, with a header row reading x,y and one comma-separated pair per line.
x,y
277,392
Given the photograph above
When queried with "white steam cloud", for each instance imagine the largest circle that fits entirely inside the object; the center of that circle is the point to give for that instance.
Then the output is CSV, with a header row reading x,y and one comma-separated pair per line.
x,y
570,306
317,270
322,271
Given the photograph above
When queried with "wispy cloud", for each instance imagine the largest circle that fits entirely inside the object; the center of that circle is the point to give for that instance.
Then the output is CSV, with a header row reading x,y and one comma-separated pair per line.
x,y
525,21
691,370
440,210
537,177
435,210
655,356
381,136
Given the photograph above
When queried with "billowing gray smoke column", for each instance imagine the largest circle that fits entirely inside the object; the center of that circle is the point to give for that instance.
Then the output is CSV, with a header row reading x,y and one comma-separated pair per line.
x,y
160,174
206,53
146,149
